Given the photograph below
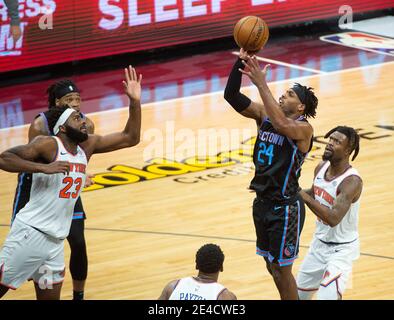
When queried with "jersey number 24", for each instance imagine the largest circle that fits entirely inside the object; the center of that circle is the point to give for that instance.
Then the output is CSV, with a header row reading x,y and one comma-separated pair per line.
x,y
265,151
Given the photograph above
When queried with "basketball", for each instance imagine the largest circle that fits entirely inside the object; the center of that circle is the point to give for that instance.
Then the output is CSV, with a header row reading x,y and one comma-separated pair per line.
x,y
251,33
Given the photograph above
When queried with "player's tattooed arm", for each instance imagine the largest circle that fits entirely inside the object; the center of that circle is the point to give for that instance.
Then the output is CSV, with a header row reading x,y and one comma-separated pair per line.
x,y
168,289
30,157
349,192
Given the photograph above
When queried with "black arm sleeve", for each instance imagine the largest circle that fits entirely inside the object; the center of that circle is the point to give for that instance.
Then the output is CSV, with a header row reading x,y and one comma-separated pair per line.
x,y
12,6
231,93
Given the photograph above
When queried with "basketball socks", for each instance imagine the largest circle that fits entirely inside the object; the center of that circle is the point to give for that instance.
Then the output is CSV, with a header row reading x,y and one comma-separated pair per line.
x,y
78,295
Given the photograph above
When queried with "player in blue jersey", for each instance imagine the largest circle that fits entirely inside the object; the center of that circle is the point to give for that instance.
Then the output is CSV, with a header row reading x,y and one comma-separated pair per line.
x,y
284,138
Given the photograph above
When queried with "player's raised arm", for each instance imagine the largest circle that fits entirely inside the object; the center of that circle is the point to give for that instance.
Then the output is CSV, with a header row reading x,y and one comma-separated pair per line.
x,y
21,158
296,130
130,136
241,103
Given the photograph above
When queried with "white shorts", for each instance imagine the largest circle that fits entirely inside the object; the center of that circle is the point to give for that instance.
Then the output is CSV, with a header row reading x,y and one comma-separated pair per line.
x,y
325,264
30,254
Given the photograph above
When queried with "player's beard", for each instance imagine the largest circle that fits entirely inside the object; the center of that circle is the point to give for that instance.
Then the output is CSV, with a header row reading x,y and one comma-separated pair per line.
x,y
76,135
327,156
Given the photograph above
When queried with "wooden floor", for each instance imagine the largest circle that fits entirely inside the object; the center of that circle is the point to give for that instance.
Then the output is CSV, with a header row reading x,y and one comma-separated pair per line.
x,y
142,235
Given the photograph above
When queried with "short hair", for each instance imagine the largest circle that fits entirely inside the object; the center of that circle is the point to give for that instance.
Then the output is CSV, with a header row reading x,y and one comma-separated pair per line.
x,y
209,258
55,87
53,115
308,98
352,135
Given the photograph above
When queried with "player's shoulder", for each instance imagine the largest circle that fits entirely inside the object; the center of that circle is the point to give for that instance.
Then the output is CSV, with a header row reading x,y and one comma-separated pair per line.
x,y
173,283
38,120
43,139
43,143
227,295
319,167
170,287
351,186
353,179
40,123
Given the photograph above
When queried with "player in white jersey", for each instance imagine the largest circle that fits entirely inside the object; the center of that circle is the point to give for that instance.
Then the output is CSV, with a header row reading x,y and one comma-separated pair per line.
x,y
209,262
335,199
34,246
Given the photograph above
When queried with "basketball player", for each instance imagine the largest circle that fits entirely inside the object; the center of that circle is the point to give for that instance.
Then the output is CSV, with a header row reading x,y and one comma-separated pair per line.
x,y
335,199
12,7
209,262
61,93
34,246
283,141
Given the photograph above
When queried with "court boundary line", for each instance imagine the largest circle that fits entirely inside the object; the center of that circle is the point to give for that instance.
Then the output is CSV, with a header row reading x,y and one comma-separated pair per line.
x,y
209,237
207,94
201,236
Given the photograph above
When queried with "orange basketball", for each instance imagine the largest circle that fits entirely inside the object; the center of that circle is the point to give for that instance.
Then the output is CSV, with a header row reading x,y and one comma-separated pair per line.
x,y
251,33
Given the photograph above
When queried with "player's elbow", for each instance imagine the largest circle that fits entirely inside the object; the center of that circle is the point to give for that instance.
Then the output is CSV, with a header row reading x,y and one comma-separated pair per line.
x,y
131,139
228,96
134,141
333,222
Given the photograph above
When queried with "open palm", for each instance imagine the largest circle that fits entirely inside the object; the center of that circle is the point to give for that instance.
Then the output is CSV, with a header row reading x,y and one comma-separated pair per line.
x,y
132,85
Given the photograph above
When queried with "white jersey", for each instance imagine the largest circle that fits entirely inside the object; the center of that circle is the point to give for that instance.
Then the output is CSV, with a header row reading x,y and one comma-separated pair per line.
x,y
192,289
53,196
326,192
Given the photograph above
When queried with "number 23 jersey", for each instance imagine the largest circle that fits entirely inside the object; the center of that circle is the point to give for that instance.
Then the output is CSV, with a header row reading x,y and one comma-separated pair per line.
x,y
53,196
278,162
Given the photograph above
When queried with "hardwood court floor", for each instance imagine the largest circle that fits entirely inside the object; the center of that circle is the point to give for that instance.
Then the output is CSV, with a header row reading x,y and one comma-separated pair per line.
x,y
142,235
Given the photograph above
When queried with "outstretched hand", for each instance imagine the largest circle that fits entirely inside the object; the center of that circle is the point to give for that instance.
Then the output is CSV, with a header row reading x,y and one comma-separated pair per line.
x,y
132,85
253,71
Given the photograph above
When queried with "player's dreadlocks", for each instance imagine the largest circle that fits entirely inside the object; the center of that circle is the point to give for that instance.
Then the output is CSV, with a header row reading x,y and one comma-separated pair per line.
x,y
308,98
209,258
53,115
60,89
352,135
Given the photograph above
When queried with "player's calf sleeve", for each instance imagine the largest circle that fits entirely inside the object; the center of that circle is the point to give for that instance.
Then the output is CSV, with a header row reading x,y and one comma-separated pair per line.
x,y
78,257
